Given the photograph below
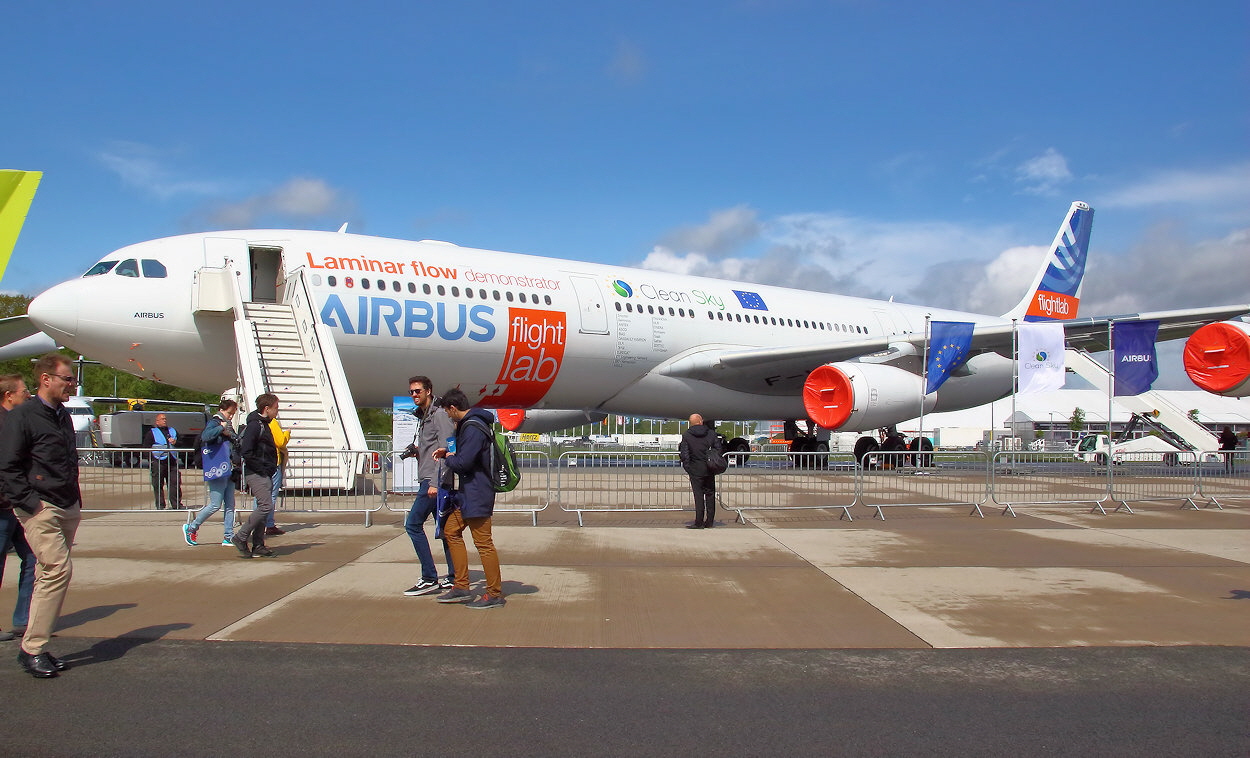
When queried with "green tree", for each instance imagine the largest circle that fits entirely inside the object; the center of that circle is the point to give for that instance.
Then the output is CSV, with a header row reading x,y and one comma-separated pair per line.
x,y
1076,422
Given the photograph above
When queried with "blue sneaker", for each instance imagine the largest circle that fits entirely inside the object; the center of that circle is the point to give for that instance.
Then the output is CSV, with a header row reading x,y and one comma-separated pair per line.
x,y
188,534
227,542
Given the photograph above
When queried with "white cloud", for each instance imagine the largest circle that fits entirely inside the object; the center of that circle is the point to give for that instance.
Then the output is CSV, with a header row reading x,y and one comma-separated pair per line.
x,y
1043,174
725,231
144,167
1224,186
299,199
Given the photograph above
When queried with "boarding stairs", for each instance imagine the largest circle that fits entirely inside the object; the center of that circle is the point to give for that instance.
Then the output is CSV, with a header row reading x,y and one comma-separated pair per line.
x,y
1155,410
283,349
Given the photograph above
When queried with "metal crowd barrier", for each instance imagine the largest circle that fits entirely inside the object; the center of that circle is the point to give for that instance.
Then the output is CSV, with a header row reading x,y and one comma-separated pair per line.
x,y
581,481
1028,478
117,479
901,478
531,496
786,482
320,481
1223,475
639,482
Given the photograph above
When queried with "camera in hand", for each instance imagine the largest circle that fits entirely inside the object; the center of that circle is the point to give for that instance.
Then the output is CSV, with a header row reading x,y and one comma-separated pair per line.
x,y
409,452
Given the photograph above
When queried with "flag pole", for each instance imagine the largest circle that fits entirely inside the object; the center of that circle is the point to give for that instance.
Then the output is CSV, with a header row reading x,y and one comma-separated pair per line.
x,y
1015,378
924,382
1110,385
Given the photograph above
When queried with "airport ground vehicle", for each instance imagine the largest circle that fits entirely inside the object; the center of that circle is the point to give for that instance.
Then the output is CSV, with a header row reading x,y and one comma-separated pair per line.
x,y
132,429
1094,448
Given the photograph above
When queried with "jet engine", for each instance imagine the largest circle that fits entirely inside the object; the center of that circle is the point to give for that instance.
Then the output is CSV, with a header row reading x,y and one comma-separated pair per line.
x,y
1217,358
545,420
858,396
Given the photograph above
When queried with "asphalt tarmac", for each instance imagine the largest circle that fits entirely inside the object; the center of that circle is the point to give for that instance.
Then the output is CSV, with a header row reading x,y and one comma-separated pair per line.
x,y
137,697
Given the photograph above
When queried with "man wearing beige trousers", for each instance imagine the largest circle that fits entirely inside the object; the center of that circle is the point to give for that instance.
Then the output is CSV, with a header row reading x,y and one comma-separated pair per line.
x,y
39,477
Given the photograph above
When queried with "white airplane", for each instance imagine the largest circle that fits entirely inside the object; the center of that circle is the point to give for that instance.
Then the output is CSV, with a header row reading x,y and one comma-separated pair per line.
x,y
553,343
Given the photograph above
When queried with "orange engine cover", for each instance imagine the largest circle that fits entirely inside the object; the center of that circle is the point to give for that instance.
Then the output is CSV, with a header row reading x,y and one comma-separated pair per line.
x,y
510,418
860,396
1217,358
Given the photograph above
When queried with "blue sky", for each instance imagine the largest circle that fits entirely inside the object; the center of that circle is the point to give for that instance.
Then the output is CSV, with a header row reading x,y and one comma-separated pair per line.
x,y
916,150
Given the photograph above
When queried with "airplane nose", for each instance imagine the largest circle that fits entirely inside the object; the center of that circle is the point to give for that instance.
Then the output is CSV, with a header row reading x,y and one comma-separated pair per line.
x,y
56,312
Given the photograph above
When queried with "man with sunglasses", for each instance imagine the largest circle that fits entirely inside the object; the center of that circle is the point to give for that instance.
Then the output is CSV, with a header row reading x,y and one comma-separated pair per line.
x,y
13,393
435,428
39,476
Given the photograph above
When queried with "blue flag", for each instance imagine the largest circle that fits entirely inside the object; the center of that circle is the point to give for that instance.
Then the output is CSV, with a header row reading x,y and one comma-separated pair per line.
x,y
949,343
1136,367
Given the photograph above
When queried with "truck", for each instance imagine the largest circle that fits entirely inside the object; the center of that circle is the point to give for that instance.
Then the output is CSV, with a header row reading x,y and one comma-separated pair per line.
x,y
1094,448
132,429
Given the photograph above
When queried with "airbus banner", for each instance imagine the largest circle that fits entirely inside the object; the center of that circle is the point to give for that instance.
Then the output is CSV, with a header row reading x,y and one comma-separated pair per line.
x,y
1133,355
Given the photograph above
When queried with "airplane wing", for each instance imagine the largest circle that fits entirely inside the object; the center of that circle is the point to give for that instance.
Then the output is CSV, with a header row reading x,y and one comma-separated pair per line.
x,y
782,370
20,338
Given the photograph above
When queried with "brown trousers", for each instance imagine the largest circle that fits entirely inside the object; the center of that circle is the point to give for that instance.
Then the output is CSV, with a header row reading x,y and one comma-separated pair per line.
x,y
480,529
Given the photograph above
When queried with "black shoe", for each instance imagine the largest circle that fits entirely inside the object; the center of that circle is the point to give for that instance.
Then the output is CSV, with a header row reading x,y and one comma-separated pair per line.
x,y
240,544
38,666
707,526
263,552
57,663
18,631
694,526
6,636
273,531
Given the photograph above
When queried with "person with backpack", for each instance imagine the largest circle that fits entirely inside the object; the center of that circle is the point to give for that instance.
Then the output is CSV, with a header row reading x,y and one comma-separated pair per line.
x,y
469,460
260,459
699,443
217,443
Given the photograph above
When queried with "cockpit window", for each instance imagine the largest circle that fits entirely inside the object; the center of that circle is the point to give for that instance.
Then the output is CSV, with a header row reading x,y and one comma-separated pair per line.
x,y
153,269
103,267
128,267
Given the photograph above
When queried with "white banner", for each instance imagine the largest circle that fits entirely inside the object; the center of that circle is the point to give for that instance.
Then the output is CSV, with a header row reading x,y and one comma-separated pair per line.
x,y
1040,356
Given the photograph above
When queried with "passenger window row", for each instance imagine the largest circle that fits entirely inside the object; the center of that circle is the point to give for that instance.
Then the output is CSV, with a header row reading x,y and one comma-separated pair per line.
x,y
381,285
824,326
656,310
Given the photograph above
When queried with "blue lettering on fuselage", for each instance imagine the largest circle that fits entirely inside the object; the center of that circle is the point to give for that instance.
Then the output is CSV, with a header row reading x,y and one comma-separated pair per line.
x,y
411,318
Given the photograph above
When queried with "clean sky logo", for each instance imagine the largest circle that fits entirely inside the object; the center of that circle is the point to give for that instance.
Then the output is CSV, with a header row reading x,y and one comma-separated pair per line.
x,y
622,289
1041,356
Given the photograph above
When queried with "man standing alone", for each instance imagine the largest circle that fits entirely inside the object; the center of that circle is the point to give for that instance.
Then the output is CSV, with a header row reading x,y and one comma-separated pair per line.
x,y
696,443
260,460
165,464
39,476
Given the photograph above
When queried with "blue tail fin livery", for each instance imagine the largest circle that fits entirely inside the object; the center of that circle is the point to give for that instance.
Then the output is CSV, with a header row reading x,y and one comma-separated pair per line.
x,y
1056,290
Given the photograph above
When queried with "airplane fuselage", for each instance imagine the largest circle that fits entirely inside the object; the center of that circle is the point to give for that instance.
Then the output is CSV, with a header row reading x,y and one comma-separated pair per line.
x,y
513,331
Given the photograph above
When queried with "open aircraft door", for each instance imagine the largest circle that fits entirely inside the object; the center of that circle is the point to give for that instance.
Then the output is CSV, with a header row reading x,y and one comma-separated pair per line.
x,y
231,254
594,316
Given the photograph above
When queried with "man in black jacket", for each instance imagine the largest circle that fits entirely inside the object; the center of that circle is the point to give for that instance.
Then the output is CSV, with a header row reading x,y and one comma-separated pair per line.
x,y
39,477
260,460
696,443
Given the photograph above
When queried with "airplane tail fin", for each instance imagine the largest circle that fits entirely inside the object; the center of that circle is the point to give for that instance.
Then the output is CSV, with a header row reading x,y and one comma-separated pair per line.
x,y
1056,290
17,189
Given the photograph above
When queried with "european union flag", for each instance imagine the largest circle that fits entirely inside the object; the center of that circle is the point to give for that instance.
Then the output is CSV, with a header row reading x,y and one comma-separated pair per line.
x,y
949,344
751,300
